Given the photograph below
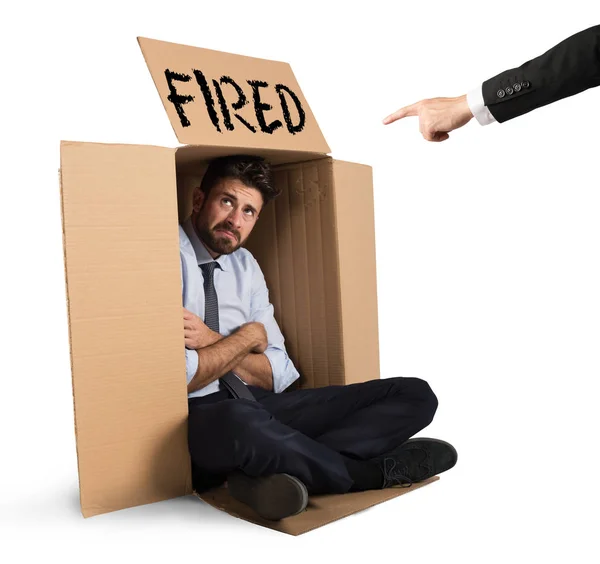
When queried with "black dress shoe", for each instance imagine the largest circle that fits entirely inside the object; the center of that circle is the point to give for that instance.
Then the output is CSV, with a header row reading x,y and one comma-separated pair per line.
x,y
271,497
415,461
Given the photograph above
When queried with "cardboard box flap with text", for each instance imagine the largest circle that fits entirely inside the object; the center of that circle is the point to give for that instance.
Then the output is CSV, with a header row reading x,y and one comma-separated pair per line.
x,y
220,99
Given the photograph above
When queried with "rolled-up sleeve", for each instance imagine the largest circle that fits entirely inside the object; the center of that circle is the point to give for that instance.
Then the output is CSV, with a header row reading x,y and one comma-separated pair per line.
x,y
191,364
191,356
284,371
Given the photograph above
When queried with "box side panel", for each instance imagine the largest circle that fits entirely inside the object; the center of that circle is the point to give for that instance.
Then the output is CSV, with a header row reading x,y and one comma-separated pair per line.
x,y
355,219
124,299
295,244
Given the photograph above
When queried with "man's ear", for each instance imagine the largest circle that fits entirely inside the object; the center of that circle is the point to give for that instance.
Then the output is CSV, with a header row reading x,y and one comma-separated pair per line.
x,y
198,199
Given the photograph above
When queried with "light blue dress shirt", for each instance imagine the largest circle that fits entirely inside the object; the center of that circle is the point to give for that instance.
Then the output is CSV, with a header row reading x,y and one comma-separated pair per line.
x,y
243,297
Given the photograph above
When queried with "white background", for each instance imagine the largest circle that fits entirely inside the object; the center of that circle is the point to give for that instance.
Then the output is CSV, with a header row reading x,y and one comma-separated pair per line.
x,y
488,270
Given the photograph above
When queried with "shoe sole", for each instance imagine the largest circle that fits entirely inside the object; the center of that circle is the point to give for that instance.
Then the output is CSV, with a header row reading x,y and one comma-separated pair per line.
x,y
271,497
454,453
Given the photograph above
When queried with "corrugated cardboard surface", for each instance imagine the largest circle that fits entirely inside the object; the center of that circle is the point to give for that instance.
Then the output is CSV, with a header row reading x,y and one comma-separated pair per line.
x,y
295,246
124,303
355,230
321,509
203,106
316,247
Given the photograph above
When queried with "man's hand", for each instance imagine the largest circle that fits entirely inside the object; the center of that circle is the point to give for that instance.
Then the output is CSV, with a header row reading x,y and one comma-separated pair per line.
x,y
197,334
257,333
437,116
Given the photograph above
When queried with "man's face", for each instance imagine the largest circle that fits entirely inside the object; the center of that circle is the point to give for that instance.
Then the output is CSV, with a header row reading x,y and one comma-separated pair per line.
x,y
225,218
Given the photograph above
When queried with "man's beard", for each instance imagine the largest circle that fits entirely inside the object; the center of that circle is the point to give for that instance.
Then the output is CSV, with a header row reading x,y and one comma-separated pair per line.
x,y
219,242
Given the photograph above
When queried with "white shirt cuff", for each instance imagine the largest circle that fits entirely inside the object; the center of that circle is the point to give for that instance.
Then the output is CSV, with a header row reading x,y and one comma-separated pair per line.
x,y
191,364
478,108
283,370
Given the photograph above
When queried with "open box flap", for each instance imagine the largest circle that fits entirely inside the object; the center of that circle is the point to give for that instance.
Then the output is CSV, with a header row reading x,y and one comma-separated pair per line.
x,y
221,99
122,270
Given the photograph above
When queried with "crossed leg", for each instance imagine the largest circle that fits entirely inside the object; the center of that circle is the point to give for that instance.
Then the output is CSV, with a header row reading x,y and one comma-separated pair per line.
x,y
309,434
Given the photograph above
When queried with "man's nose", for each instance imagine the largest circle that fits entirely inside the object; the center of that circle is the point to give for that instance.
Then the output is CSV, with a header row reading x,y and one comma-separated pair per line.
x,y
235,218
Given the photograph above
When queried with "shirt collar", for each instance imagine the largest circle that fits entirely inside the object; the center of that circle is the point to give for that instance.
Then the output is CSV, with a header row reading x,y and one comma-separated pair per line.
x,y
202,254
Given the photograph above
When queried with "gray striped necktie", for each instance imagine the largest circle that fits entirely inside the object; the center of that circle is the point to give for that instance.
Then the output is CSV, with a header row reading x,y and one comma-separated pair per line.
x,y
211,318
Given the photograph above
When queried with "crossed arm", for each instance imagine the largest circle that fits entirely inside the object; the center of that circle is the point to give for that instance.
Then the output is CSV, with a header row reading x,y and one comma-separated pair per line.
x,y
242,352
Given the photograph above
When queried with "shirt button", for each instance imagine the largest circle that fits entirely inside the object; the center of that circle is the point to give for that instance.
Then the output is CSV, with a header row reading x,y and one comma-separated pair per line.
x,y
509,90
525,84
517,86
500,93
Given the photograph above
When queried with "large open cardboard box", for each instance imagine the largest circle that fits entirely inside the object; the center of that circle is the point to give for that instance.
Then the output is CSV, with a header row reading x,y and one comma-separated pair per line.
x,y
120,207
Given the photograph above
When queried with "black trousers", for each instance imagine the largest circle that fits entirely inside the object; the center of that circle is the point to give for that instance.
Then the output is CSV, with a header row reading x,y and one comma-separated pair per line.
x,y
305,433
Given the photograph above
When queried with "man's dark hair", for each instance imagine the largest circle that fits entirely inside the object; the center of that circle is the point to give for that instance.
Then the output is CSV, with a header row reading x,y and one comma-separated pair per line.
x,y
254,172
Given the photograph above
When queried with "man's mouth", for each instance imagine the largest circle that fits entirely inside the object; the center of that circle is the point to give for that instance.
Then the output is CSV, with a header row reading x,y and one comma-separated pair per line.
x,y
228,234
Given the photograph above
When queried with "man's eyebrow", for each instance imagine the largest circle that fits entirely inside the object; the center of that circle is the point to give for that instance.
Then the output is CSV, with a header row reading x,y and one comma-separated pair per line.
x,y
235,199
230,196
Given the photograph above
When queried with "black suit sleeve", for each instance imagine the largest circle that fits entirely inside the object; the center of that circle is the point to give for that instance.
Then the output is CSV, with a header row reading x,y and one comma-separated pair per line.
x,y
568,68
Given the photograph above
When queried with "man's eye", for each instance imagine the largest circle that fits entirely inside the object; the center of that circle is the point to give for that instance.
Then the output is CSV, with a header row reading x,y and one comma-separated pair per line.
x,y
249,212
226,201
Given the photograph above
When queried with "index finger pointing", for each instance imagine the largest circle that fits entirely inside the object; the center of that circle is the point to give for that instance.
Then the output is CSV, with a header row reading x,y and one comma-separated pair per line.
x,y
411,110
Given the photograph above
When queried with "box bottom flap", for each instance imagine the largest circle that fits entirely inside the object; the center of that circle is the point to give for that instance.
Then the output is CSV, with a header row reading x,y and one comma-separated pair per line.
x,y
321,509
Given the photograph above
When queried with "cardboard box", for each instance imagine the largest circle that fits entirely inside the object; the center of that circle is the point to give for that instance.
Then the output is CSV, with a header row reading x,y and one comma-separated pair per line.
x,y
120,207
